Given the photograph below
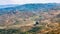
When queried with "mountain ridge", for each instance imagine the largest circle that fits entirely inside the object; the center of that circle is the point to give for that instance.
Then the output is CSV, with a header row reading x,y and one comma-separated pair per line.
x,y
30,7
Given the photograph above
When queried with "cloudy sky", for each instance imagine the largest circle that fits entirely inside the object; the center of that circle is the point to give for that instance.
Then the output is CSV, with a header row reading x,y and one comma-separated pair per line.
x,y
27,1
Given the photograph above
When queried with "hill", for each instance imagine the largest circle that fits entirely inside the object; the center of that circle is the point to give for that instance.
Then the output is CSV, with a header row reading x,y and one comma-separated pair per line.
x,y
30,19
29,7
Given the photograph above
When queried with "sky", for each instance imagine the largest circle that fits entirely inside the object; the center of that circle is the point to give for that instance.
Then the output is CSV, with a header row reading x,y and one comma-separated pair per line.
x,y
3,2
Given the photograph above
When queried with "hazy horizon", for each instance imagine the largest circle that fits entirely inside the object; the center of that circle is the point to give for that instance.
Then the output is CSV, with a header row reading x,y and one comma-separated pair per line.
x,y
4,2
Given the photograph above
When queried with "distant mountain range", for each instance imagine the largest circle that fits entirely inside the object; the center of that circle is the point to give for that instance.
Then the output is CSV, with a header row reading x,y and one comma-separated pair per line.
x,y
29,7
6,6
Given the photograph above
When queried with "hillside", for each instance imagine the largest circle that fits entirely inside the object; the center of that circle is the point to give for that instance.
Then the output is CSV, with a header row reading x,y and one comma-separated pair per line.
x,y
29,7
30,19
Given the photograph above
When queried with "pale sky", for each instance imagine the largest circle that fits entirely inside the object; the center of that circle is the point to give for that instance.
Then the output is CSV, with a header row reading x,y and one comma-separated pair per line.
x,y
27,1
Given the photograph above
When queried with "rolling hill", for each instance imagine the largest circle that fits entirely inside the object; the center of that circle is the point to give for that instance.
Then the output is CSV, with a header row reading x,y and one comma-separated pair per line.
x,y
30,19
29,7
